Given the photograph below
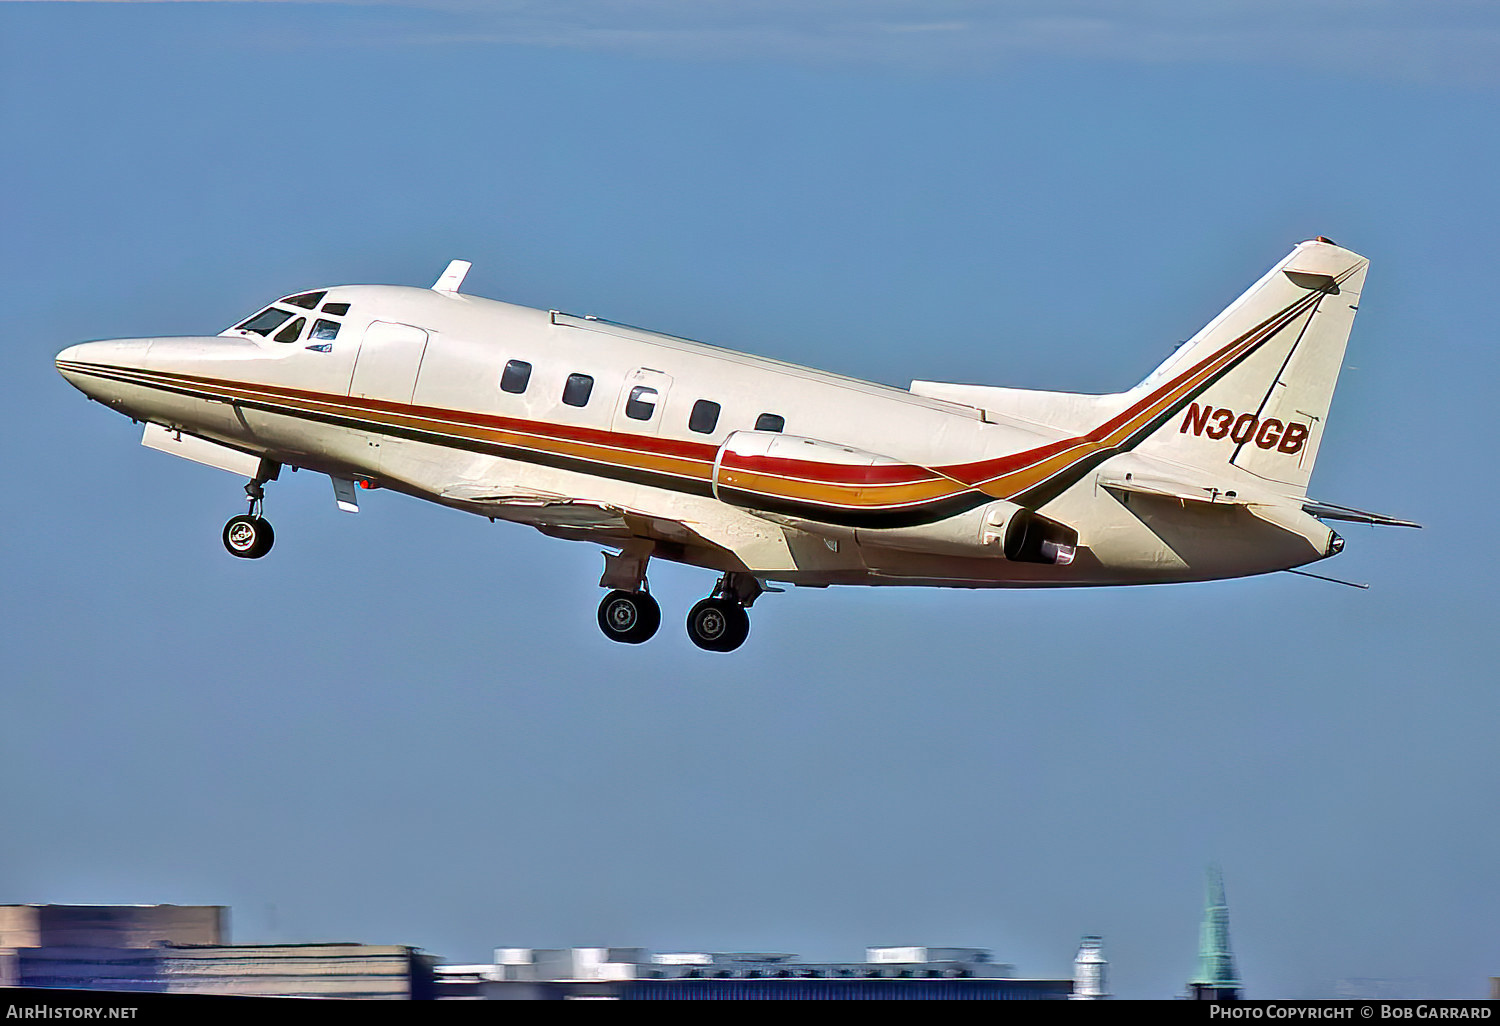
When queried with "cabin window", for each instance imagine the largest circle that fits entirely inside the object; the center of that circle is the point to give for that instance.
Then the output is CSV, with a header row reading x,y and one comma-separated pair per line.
x,y
578,389
641,404
325,331
336,309
306,300
705,417
770,422
267,321
291,331
517,375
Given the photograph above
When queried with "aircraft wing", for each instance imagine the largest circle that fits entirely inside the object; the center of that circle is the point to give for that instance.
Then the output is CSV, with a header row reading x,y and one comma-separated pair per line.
x,y
574,517
542,510
1330,511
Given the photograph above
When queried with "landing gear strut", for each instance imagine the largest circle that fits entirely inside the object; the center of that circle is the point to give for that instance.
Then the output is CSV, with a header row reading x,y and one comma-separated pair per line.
x,y
628,613
719,623
249,535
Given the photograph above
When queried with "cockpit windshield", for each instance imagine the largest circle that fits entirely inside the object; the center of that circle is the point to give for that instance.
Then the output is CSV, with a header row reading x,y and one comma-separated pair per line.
x,y
267,321
272,322
325,331
306,300
291,331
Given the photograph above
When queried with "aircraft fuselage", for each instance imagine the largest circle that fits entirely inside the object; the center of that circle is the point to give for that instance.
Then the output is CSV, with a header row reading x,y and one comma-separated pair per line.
x,y
766,471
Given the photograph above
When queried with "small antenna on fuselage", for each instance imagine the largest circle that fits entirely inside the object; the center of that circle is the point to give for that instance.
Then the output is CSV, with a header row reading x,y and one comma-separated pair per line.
x,y
453,277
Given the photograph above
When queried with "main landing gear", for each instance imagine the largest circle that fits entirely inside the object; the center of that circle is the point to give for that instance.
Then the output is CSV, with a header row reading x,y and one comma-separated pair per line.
x,y
718,624
249,535
630,615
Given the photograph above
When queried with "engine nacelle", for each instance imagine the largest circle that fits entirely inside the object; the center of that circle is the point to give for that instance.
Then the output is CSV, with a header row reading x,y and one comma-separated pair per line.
x,y
849,494
998,528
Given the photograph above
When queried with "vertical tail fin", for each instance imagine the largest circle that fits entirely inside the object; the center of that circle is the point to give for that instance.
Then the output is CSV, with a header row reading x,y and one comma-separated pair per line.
x,y
1260,376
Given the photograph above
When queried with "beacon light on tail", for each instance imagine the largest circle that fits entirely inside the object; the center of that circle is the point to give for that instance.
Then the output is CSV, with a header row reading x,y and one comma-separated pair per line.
x,y
657,447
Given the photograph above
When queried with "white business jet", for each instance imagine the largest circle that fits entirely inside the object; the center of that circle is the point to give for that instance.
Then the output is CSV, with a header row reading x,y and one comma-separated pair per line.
x,y
660,447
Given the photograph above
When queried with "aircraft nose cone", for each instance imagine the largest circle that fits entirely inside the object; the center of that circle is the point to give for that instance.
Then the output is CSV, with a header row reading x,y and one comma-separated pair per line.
x,y
74,356
88,365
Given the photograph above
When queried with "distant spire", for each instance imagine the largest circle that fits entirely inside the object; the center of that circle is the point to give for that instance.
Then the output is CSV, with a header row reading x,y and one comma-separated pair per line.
x,y
1217,977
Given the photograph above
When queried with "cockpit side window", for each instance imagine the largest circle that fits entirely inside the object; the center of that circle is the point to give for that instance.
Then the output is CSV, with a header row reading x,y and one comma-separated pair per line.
x,y
291,331
336,309
267,321
307,300
325,331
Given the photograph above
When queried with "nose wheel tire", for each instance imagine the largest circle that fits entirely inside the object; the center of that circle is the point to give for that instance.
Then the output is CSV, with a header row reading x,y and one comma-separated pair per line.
x,y
630,617
718,625
248,537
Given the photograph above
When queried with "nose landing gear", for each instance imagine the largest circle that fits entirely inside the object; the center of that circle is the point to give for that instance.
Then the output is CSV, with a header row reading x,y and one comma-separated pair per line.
x,y
249,535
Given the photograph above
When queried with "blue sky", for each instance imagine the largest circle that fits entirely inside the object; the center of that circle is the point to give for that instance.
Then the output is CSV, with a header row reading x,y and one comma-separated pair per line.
x,y
404,727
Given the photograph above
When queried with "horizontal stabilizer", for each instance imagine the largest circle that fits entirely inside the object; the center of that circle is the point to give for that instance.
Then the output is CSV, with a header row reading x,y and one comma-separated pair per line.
x,y
1171,489
1329,511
